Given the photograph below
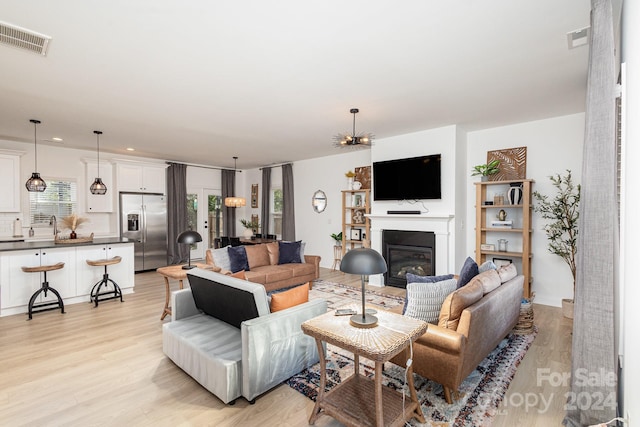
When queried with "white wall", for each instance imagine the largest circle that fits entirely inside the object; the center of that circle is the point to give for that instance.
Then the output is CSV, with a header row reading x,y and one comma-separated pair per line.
x,y
553,146
326,174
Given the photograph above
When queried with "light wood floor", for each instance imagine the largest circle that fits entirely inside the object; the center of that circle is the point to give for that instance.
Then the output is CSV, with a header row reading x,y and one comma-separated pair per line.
x,y
104,366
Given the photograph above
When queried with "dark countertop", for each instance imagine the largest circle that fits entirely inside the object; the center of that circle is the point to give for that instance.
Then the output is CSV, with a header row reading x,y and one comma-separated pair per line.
x,y
44,244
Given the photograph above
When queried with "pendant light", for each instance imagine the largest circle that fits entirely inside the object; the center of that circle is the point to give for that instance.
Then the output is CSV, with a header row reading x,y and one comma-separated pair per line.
x,y
353,139
235,202
35,183
98,186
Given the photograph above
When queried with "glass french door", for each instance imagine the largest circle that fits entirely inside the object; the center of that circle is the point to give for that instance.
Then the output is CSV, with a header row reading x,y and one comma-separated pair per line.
x,y
204,215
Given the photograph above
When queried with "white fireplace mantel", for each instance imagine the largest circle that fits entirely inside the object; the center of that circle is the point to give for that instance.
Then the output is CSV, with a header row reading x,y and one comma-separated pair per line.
x,y
439,224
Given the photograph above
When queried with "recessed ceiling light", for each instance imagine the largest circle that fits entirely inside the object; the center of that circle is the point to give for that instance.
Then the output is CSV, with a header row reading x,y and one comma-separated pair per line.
x,y
55,138
131,149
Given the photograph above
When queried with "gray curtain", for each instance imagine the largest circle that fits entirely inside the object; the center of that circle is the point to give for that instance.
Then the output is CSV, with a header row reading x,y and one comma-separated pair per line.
x,y
266,202
593,348
228,190
288,211
176,212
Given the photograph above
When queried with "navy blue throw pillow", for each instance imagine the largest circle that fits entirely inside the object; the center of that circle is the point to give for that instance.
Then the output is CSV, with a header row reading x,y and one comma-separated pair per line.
x,y
289,252
414,278
468,272
238,258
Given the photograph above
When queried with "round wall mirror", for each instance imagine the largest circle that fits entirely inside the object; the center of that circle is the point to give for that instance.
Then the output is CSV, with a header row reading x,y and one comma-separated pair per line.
x,y
319,201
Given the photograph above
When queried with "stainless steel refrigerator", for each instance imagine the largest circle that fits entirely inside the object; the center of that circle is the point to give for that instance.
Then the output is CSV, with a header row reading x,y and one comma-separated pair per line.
x,y
143,220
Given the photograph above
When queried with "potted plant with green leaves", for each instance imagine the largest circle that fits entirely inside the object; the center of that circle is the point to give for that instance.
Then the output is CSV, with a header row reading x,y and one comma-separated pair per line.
x,y
250,227
561,210
485,170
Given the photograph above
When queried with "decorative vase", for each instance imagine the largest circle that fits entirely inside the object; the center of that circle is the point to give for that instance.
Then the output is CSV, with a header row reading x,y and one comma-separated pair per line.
x,y
73,234
514,195
356,185
484,178
247,233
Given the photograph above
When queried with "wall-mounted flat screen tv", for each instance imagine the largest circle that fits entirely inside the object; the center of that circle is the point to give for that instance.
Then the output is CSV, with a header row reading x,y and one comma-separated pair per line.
x,y
414,178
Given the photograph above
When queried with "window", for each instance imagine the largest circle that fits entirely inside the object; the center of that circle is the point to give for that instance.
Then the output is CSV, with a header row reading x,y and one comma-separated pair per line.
x,y
276,212
59,199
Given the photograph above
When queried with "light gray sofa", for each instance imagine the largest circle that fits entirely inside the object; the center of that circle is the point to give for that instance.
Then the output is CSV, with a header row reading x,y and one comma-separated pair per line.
x,y
230,361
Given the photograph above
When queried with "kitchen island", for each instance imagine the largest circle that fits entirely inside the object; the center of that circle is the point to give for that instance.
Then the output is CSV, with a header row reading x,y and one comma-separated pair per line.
x,y
73,282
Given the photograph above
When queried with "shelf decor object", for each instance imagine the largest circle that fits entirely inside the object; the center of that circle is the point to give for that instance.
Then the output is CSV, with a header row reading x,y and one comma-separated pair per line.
x,y
35,183
513,163
98,187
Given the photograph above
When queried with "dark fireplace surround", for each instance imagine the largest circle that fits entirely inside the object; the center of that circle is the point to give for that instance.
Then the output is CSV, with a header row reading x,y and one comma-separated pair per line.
x,y
408,252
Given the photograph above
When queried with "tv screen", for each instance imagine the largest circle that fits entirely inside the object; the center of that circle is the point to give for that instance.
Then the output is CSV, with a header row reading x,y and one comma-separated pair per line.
x,y
407,179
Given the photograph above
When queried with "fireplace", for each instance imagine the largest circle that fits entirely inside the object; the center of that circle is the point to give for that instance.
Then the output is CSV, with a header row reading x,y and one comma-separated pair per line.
x,y
408,252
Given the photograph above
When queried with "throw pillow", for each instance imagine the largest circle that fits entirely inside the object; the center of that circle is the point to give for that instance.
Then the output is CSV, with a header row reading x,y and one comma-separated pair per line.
x,y
507,272
456,302
257,255
302,247
485,266
238,257
414,278
221,257
274,254
424,301
468,272
289,252
290,298
489,280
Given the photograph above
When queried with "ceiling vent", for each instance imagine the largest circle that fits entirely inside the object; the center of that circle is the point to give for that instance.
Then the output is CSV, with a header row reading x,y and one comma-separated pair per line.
x,y
578,37
22,38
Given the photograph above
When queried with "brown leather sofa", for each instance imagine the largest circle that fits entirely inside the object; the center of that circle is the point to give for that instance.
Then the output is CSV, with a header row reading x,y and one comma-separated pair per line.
x,y
264,267
448,356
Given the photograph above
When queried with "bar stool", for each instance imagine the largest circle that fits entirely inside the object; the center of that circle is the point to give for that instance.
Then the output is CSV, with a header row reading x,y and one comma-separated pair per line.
x,y
44,306
95,291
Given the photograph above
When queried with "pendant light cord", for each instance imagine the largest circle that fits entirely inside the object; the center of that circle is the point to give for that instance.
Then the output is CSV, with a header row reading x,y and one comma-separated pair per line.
x,y
35,142
98,133
354,125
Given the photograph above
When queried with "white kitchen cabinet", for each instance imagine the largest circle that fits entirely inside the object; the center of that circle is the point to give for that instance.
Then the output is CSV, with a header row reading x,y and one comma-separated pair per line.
x,y
96,202
138,177
18,286
121,273
11,185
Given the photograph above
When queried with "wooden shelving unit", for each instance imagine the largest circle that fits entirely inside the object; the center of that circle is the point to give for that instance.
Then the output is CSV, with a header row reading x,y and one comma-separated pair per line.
x,y
521,231
350,210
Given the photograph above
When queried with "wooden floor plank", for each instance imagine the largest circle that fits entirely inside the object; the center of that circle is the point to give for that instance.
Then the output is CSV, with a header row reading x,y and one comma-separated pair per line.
x,y
104,366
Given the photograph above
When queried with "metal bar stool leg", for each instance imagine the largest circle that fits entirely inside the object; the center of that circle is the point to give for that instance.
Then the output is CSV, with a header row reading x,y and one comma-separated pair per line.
x,y
97,296
34,307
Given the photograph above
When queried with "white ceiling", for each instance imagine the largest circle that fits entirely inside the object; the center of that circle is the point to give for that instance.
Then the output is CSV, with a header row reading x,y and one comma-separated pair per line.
x,y
273,81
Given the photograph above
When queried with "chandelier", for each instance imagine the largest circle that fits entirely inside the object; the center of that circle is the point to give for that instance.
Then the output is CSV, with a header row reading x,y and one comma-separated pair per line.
x,y
233,201
353,139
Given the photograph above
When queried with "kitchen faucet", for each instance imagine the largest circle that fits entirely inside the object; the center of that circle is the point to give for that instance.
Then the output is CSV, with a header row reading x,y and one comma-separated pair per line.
x,y
53,221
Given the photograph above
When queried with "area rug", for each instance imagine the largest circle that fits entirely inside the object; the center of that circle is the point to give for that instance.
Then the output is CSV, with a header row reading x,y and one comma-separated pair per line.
x,y
480,393
337,294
